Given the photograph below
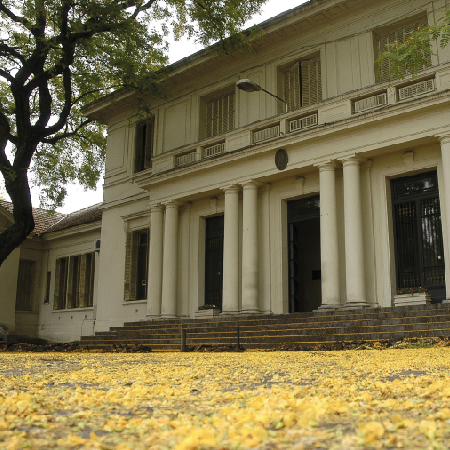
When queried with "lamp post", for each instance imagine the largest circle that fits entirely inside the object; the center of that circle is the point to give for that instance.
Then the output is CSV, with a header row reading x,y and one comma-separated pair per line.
x,y
250,86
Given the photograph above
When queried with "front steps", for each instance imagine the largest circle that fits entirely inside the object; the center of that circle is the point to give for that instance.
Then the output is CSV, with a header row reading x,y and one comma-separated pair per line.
x,y
302,331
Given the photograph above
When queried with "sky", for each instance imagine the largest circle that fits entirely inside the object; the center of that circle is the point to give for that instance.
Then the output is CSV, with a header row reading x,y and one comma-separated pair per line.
x,y
77,198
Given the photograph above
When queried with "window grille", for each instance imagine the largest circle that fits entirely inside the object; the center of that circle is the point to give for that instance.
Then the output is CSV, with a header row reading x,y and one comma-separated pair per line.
x,y
303,84
213,150
220,115
304,122
267,133
369,103
399,35
416,89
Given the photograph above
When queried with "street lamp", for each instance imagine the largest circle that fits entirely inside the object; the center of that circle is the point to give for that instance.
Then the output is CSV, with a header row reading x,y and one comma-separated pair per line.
x,y
250,86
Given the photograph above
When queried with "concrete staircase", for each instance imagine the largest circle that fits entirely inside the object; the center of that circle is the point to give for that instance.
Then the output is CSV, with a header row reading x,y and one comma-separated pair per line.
x,y
298,331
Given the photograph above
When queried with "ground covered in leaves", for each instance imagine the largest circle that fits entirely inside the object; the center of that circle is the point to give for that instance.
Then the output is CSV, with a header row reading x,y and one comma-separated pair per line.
x,y
268,400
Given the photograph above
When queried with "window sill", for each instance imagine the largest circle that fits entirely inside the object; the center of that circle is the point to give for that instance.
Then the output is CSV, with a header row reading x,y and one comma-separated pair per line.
x,y
72,310
135,302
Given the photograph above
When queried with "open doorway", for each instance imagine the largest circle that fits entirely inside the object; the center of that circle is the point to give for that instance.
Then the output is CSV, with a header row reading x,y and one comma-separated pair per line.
x,y
305,290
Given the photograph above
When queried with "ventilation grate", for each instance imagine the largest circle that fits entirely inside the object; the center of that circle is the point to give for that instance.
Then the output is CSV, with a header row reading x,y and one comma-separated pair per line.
x,y
414,90
213,150
305,122
265,134
186,159
370,103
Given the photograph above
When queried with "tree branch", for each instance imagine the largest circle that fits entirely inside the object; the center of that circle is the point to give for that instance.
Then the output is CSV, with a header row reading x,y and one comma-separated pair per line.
x,y
59,137
7,76
13,17
11,52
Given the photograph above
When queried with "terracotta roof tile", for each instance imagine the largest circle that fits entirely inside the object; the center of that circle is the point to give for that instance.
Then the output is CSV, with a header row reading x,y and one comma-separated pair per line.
x,y
43,219
83,216
47,221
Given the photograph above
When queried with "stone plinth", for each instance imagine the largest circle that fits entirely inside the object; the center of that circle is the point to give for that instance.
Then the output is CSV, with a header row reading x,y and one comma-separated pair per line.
x,y
206,313
412,299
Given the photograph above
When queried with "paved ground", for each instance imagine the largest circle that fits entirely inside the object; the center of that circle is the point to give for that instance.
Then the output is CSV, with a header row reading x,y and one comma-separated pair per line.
x,y
335,400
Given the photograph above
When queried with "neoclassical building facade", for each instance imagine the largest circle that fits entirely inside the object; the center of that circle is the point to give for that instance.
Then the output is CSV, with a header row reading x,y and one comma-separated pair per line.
x,y
331,192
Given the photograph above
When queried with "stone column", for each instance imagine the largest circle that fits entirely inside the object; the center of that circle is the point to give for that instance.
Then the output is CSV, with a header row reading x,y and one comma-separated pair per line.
x,y
250,300
265,259
155,262
169,278
354,250
445,150
230,293
329,249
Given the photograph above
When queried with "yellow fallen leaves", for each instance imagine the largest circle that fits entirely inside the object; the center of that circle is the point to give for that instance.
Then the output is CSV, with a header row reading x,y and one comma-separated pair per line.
x,y
286,400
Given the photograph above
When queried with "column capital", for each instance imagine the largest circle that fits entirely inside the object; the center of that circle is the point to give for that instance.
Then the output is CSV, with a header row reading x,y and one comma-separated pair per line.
x,y
231,188
157,207
350,161
250,184
444,139
265,187
326,165
173,204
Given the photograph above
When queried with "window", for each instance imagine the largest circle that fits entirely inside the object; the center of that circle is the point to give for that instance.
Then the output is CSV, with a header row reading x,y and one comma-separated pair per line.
x,y
220,114
25,279
74,282
136,265
47,288
144,145
398,35
303,84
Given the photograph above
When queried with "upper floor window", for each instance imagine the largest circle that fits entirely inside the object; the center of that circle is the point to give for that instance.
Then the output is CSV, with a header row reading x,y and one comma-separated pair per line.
x,y
25,279
220,114
136,265
74,281
144,145
398,35
303,84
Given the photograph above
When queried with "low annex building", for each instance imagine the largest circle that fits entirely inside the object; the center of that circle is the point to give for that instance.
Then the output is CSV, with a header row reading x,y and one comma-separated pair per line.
x,y
334,195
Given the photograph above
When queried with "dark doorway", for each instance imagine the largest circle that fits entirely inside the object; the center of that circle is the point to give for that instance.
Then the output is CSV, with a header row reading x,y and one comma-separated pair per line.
x,y
214,261
305,290
419,250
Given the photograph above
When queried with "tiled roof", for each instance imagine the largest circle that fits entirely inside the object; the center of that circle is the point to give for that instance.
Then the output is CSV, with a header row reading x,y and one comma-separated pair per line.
x,y
82,217
47,221
43,219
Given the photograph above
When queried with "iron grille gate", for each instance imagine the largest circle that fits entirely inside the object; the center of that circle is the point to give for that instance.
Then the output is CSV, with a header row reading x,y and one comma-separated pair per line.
x,y
214,261
418,234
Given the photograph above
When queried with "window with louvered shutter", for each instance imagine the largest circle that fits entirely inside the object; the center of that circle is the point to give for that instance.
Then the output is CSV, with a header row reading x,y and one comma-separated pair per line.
x,y
61,271
399,35
303,84
24,294
145,132
220,115
136,265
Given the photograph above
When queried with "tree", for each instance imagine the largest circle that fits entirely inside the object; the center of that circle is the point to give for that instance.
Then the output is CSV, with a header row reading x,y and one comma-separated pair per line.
x,y
53,55
412,55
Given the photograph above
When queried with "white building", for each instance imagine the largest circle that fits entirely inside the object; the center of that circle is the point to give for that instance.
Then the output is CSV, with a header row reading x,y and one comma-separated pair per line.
x,y
226,198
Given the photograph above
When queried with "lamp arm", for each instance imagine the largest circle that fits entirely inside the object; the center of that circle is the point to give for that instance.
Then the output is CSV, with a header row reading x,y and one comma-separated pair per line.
x,y
276,96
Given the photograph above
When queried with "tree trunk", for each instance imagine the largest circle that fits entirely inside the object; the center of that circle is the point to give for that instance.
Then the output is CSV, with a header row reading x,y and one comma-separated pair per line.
x,y
18,190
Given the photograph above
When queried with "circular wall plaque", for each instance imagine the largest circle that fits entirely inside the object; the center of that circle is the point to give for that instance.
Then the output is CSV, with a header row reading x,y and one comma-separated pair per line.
x,y
281,159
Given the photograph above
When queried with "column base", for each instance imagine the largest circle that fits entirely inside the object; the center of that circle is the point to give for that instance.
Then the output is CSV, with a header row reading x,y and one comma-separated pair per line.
x,y
229,313
247,312
328,307
356,305
168,316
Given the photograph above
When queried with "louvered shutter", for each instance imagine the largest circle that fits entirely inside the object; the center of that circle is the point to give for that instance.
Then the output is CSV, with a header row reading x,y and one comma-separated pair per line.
x,y
24,284
91,270
139,148
70,284
220,115
57,297
131,266
292,87
400,35
311,85
149,136
82,283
